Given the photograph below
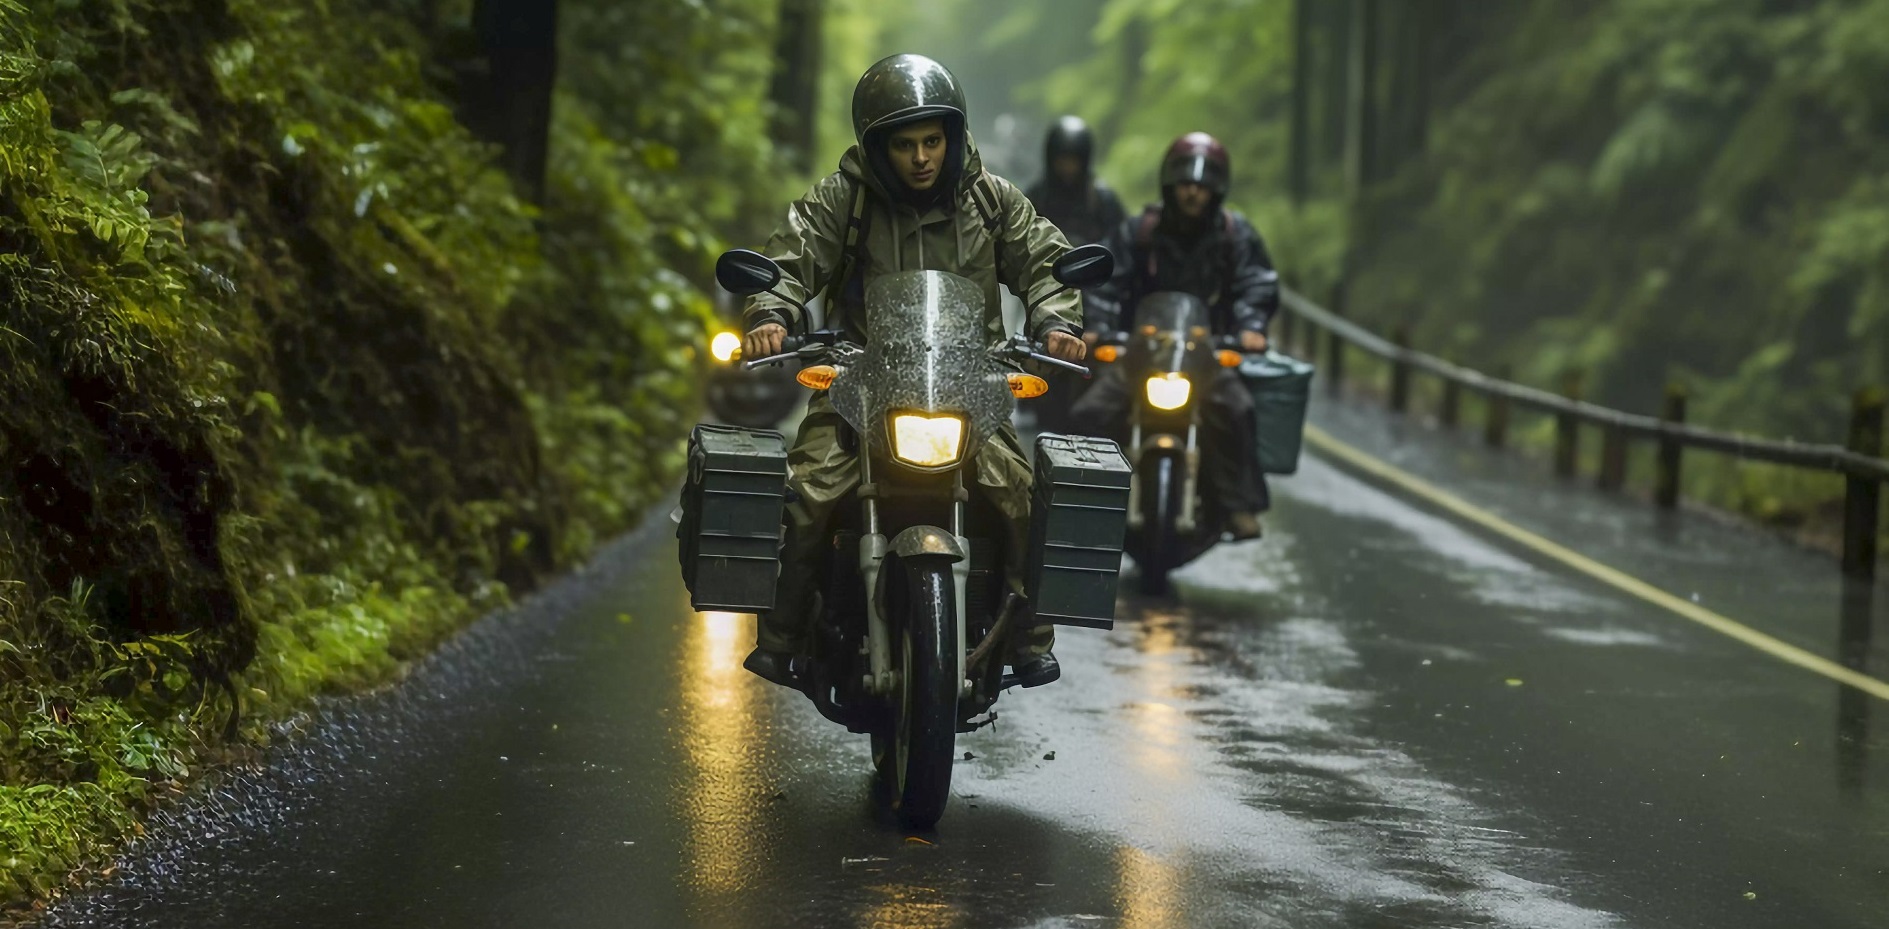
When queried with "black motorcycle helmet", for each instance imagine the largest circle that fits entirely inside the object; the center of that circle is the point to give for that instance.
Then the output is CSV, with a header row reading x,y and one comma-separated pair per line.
x,y
904,89
1069,136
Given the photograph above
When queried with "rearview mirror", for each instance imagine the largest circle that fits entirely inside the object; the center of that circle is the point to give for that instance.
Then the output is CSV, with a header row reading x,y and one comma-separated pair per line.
x,y
1084,266
745,273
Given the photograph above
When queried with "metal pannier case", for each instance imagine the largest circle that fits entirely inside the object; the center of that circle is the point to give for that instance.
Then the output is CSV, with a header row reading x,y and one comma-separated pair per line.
x,y
1281,386
1077,522
729,539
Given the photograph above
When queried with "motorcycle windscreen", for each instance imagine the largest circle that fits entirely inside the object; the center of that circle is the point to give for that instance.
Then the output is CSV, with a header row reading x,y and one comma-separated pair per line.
x,y
1169,325
925,353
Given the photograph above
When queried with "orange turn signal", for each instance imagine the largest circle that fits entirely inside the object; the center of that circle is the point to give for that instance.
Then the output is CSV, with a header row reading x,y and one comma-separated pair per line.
x,y
1026,386
818,377
1228,358
1108,354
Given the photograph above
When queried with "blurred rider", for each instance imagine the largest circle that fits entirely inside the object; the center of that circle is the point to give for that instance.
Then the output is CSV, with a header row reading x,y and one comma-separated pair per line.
x,y
1086,210
1068,194
1192,243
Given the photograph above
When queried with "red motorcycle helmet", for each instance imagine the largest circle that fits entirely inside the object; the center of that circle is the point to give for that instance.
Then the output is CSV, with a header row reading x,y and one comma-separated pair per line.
x,y
1197,158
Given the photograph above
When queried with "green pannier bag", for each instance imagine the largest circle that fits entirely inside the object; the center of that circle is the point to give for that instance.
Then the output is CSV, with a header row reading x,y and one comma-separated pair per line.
x,y
1281,385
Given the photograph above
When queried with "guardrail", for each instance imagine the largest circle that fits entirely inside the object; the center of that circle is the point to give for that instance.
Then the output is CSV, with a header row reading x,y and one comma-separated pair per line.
x,y
1858,461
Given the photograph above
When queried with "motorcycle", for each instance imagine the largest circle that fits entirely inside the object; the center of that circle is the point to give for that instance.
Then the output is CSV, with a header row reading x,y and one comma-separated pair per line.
x,y
757,399
908,642
1170,352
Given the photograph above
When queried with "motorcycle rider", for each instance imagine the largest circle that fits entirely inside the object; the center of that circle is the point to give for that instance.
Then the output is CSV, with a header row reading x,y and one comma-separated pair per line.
x,y
1086,210
1069,194
1191,242
911,195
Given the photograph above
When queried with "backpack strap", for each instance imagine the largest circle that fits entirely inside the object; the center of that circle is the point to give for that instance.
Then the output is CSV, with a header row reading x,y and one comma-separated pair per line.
x,y
990,207
856,223
1144,237
989,204
1230,239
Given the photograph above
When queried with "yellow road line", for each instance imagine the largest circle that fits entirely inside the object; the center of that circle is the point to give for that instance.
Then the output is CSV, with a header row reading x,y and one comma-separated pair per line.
x,y
1620,580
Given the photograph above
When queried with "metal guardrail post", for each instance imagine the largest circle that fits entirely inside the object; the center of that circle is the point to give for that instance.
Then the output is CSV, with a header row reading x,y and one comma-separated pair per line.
x,y
1567,429
1495,430
1666,482
1281,330
1400,372
1862,497
1613,458
1451,411
1335,346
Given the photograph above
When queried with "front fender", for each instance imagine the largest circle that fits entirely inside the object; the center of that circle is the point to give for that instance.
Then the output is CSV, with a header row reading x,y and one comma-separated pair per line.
x,y
921,541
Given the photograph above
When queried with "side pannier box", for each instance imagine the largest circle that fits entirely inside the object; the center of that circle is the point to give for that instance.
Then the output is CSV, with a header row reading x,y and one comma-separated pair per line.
x,y
729,539
1077,523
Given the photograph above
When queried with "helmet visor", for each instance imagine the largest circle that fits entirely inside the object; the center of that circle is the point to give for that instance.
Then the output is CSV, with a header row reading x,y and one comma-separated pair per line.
x,y
1187,169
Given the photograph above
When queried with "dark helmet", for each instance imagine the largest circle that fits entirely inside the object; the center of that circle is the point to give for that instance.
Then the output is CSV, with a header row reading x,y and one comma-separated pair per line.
x,y
903,89
1069,136
1200,159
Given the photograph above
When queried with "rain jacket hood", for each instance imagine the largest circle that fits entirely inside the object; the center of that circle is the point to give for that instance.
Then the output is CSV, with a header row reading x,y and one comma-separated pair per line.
x,y
981,228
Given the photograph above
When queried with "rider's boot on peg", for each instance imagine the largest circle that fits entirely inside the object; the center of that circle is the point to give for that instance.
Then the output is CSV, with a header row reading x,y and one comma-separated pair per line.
x,y
1244,525
776,667
1037,670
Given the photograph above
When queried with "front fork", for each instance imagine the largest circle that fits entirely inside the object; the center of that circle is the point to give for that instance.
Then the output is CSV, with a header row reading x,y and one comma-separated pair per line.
x,y
1189,515
873,545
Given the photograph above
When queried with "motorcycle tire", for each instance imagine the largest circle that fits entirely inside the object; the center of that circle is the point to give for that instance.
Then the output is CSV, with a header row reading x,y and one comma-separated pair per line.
x,y
915,757
1161,508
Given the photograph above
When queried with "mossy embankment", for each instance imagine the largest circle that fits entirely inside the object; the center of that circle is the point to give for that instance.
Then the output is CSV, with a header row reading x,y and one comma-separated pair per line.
x,y
295,380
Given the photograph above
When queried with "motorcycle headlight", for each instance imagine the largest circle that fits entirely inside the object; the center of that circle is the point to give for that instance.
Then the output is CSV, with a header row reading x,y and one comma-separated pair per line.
x,y
726,347
1169,391
927,441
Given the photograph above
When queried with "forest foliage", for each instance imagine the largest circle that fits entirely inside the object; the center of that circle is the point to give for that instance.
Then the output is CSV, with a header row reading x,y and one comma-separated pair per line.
x,y
1648,192
297,380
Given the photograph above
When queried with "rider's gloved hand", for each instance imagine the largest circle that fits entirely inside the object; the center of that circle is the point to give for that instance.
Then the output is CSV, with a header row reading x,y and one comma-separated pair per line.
x,y
764,341
1065,347
1251,341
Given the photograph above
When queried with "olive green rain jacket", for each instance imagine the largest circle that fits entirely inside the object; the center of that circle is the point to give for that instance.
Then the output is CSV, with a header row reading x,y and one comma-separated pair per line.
x,y
1013,247
811,244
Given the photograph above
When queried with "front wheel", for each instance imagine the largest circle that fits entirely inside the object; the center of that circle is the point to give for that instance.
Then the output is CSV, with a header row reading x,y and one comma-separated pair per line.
x,y
914,758
1160,511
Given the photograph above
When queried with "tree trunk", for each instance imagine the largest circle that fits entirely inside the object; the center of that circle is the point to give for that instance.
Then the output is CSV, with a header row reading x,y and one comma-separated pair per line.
x,y
1335,82
796,84
1299,168
1423,29
1363,130
508,101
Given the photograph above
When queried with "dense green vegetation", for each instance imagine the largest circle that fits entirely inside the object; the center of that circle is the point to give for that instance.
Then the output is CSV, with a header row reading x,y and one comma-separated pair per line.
x,y
1644,191
297,381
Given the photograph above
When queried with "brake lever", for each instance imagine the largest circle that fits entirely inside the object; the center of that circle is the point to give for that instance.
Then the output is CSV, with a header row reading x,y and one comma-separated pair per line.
x,y
1058,362
769,360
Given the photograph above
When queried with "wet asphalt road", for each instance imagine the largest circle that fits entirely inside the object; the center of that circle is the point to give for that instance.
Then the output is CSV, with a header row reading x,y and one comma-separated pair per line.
x,y
1373,718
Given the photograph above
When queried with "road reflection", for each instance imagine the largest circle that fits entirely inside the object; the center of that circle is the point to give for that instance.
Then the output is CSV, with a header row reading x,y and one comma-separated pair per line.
x,y
1157,739
722,737
1147,888
909,906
